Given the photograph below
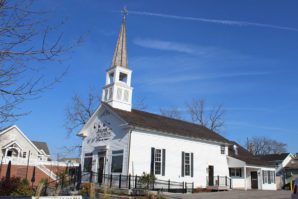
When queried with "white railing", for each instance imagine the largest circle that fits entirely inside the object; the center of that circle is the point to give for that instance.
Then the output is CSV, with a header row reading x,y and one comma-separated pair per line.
x,y
47,171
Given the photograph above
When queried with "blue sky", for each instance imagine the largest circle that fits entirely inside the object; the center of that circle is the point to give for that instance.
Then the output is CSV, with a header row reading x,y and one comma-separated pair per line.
x,y
242,54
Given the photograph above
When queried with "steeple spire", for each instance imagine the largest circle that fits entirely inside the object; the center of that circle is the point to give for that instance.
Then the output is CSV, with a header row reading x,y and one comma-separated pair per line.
x,y
120,54
118,90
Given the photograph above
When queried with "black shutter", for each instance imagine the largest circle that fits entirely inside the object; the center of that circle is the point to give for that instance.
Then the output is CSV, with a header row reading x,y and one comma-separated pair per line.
x,y
191,166
152,161
182,164
163,162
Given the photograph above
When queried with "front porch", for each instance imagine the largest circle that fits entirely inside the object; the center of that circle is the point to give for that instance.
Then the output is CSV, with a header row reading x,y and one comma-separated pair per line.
x,y
245,176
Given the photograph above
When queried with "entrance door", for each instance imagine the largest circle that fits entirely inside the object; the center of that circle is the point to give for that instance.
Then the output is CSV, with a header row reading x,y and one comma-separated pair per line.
x,y
211,175
101,165
254,180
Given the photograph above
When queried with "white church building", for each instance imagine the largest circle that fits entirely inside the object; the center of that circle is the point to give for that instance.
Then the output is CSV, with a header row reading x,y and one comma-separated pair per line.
x,y
118,139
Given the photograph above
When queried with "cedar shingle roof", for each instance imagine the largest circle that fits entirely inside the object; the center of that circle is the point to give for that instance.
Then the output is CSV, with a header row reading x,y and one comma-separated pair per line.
x,y
42,146
169,125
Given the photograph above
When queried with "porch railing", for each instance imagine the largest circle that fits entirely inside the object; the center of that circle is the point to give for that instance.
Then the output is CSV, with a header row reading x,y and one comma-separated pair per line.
x,y
220,181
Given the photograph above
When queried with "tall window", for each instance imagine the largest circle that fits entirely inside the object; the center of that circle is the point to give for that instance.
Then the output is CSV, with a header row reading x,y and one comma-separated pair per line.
x,y
88,162
187,164
117,161
222,149
265,177
157,162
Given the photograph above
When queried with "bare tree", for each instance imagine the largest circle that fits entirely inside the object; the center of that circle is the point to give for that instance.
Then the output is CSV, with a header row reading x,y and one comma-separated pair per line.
x,y
212,119
80,110
26,43
172,112
264,145
140,104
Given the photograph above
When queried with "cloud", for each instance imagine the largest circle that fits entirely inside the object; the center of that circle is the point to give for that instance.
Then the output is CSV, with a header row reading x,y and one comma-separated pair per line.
x,y
194,77
216,21
248,125
171,46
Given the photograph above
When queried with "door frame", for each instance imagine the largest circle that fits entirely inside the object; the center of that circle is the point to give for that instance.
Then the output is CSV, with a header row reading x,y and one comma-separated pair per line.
x,y
210,175
255,180
101,155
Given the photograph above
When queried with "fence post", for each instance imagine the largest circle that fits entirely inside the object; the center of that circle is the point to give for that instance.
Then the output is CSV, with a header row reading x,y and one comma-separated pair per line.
x,y
111,179
169,185
120,181
183,187
217,180
91,174
185,191
226,181
129,183
136,180
193,187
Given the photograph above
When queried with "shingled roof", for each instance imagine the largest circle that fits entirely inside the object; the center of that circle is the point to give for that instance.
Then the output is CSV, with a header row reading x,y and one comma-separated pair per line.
x,y
42,146
169,125
245,155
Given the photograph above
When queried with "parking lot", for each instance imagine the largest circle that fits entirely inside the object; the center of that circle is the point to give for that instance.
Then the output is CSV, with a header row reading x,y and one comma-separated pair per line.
x,y
252,194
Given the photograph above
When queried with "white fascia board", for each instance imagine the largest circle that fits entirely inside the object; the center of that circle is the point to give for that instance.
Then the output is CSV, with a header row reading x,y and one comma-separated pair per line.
x,y
153,131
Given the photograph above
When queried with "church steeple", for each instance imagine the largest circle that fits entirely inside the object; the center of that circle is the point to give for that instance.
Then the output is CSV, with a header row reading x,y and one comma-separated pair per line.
x,y
118,91
120,54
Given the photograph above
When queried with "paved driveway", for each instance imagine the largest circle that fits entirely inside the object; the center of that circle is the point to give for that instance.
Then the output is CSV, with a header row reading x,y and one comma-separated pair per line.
x,y
253,194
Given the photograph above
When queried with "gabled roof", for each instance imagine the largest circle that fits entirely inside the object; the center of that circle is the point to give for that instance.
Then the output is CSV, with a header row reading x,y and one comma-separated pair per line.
x,y
42,146
160,123
21,132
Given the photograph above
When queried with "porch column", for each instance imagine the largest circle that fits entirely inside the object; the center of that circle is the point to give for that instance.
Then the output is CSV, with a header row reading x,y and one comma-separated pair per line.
x,y
245,183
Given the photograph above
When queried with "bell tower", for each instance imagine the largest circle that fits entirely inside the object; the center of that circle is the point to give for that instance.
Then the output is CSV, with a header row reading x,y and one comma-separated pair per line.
x,y
118,91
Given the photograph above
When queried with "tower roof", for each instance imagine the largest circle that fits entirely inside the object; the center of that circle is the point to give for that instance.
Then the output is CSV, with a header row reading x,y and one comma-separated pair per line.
x,y
120,54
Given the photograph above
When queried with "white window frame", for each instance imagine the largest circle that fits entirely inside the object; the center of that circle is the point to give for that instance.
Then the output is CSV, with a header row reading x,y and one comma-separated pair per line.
x,y
222,149
158,160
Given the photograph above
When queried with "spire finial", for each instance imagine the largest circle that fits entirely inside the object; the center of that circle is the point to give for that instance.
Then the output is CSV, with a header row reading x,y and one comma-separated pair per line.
x,y
124,12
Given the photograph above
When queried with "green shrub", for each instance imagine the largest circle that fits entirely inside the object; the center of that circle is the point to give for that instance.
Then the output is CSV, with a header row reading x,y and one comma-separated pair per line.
x,y
147,179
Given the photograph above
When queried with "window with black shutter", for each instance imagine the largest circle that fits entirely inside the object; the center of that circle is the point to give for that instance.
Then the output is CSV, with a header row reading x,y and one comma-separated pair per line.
x,y
158,161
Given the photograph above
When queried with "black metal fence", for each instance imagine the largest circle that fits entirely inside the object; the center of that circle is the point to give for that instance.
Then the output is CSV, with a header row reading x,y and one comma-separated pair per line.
x,y
137,182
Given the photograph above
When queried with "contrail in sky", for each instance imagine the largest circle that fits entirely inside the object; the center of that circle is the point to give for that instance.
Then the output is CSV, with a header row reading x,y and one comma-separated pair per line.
x,y
216,21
